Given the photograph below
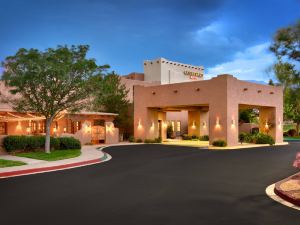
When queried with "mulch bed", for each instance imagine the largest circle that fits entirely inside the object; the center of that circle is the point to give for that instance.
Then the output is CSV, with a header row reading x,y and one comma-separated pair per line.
x,y
289,189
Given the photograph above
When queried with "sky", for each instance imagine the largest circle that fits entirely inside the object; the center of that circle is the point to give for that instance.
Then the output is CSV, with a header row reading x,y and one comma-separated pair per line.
x,y
230,36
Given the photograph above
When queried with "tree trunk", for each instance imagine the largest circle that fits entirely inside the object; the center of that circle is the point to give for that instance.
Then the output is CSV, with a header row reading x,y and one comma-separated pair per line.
x,y
47,143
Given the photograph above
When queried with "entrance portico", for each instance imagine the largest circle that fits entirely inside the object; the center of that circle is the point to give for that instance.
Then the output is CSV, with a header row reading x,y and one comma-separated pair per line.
x,y
222,96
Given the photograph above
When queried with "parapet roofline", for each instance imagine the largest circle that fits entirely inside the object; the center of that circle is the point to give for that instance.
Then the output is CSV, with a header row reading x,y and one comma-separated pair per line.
x,y
163,60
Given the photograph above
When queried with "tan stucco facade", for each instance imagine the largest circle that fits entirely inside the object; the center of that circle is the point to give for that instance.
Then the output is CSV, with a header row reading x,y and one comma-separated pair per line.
x,y
221,96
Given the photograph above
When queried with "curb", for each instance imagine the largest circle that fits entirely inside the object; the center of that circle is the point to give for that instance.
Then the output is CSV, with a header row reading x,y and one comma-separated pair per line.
x,y
272,194
3,175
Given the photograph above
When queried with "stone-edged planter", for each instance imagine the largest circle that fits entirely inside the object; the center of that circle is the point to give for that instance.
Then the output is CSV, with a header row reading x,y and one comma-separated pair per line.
x,y
289,189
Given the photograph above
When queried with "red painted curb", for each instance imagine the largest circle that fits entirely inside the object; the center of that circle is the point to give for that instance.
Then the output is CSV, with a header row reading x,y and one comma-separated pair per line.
x,y
45,169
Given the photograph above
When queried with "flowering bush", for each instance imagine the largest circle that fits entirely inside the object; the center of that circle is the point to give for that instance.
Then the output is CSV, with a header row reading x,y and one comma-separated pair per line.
x,y
297,161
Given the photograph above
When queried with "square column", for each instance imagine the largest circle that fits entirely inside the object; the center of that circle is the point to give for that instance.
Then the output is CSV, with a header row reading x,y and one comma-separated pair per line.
x,y
270,122
194,123
223,123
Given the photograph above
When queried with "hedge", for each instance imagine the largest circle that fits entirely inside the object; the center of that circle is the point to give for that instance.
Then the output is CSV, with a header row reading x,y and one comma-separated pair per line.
x,y
219,143
34,143
258,138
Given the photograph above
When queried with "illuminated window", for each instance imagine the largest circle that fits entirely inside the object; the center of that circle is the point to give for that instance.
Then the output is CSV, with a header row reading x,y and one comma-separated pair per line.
x,y
3,128
173,125
178,126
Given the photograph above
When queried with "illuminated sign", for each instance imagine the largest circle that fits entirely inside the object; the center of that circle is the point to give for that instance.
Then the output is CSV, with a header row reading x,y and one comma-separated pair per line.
x,y
192,74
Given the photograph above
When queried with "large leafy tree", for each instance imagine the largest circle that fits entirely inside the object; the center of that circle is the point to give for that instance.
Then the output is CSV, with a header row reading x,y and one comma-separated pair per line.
x,y
110,95
50,82
286,47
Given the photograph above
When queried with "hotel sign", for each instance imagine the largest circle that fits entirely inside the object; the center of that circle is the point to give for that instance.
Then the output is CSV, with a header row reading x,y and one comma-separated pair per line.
x,y
193,75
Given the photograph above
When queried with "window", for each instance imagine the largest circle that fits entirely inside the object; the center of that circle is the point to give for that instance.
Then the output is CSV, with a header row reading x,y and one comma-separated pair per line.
x,y
178,126
173,125
3,126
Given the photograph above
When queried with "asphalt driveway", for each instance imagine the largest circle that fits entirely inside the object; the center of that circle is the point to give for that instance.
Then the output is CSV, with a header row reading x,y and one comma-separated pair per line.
x,y
156,184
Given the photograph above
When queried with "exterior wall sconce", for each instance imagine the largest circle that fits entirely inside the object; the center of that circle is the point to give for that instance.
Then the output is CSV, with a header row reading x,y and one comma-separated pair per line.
x,y
109,128
54,129
267,125
28,130
233,123
152,126
279,124
65,129
204,124
165,125
218,123
19,126
194,125
197,89
153,92
139,124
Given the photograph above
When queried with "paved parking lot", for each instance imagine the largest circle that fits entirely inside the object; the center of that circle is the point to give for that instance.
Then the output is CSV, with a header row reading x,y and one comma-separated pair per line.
x,y
156,184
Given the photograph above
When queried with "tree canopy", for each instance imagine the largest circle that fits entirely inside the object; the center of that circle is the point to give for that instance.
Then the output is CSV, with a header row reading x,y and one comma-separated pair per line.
x,y
51,81
286,47
110,95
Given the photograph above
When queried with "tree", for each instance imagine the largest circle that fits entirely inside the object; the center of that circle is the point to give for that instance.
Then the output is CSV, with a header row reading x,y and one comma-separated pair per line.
x,y
248,116
286,47
271,83
50,82
110,95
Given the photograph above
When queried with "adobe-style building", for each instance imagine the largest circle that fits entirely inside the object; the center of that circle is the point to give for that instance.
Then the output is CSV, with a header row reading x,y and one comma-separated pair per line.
x,y
160,72
87,127
172,93
213,107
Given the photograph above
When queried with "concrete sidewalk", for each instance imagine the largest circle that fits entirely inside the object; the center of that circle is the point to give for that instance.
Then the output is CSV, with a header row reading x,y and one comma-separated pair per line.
x,y
21,159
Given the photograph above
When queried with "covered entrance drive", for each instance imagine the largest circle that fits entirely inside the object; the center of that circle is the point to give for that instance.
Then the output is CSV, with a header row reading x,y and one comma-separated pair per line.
x,y
221,97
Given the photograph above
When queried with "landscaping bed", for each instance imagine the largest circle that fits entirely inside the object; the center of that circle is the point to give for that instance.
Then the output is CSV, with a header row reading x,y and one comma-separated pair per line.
x,y
10,163
289,189
52,156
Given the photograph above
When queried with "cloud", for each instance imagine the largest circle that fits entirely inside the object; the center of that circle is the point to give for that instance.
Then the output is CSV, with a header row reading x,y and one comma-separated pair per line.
x,y
216,35
250,64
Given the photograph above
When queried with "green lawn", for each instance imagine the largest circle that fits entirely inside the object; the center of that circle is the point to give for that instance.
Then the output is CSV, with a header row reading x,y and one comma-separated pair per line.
x,y
9,163
291,138
53,156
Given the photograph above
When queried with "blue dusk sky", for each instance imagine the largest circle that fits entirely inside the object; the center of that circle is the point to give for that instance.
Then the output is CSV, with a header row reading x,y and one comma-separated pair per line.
x,y
230,36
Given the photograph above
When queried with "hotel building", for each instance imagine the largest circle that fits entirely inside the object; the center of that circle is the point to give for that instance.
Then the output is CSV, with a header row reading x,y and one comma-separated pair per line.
x,y
172,93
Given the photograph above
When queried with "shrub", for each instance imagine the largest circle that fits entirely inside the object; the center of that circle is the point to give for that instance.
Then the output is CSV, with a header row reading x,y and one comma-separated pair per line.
x,y
219,143
186,137
35,143
157,140
285,134
194,137
13,143
204,138
261,138
242,137
149,141
69,143
139,140
131,139
292,132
